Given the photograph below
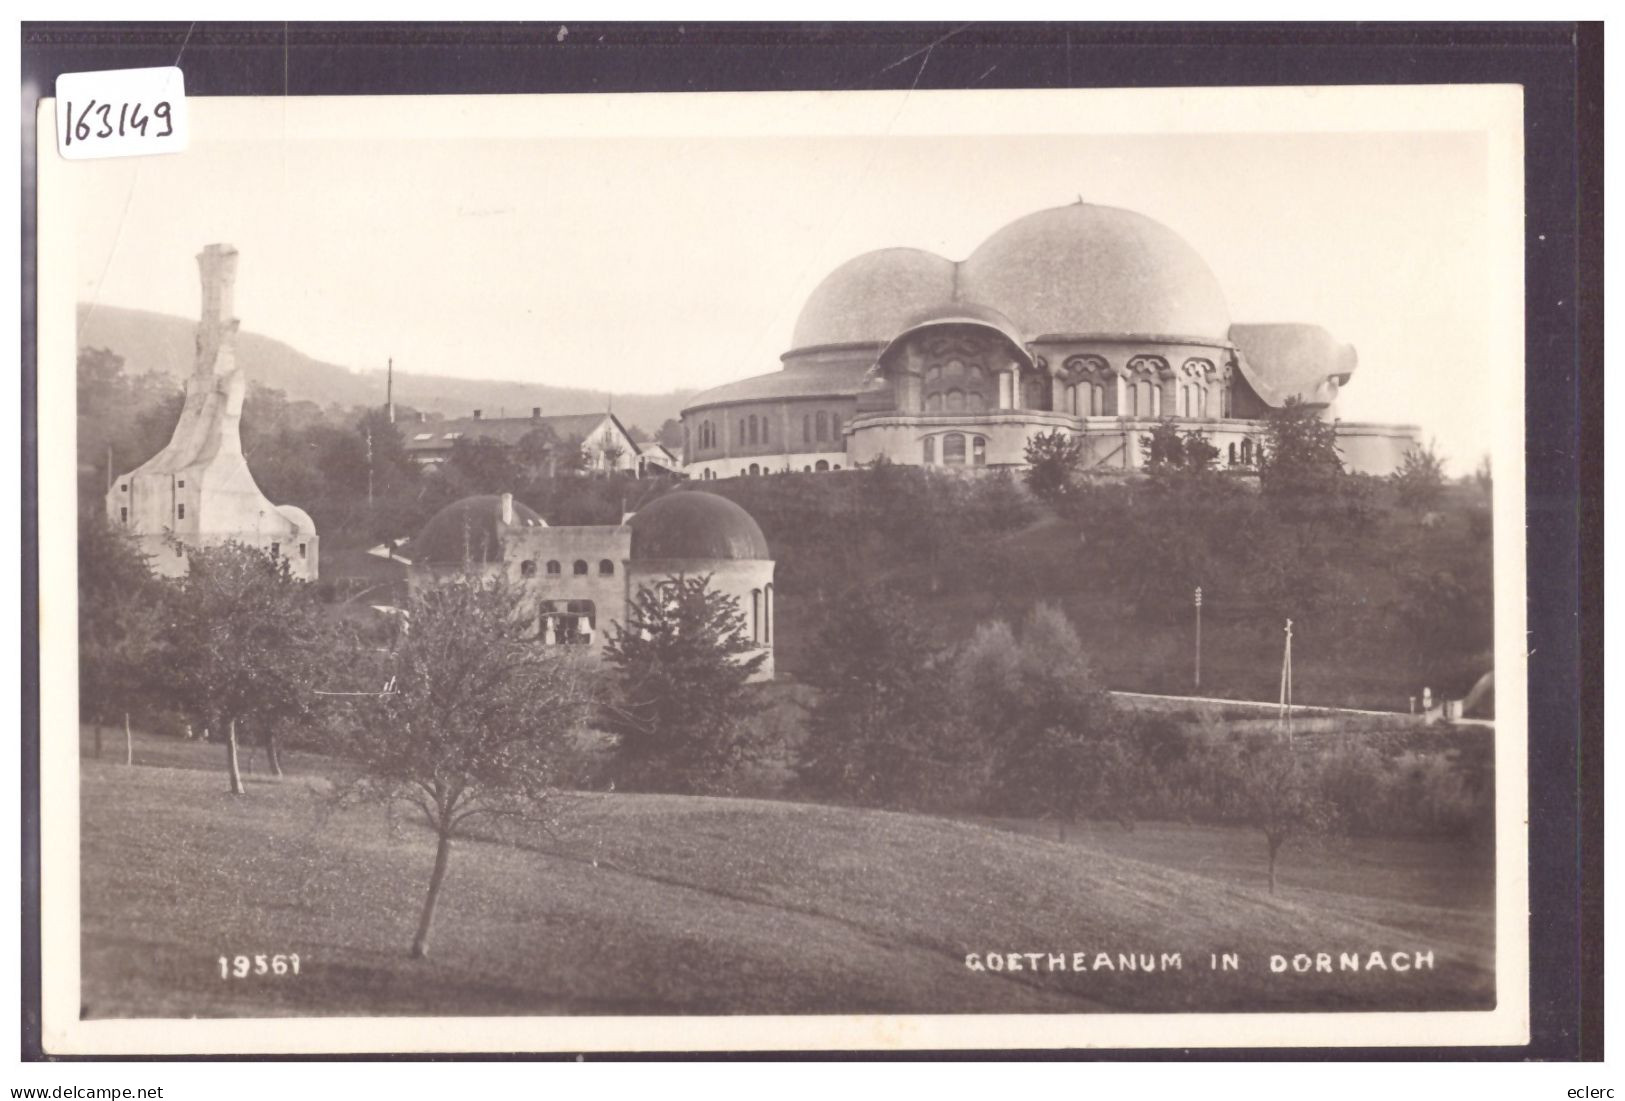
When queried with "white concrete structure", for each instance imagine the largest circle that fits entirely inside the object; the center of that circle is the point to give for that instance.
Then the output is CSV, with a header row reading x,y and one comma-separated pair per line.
x,y
198,490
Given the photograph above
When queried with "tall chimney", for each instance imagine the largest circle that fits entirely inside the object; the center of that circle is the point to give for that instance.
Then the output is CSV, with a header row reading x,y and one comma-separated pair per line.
x,y
507,510
476,414
217,328
536,412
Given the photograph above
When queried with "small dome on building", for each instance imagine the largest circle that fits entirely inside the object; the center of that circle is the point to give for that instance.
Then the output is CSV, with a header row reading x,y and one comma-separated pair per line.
x,y
471,530
1087,269
867,299
694,524
1281,361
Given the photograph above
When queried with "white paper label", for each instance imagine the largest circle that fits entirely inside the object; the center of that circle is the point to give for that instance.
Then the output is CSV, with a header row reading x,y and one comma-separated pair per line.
x,y
120,113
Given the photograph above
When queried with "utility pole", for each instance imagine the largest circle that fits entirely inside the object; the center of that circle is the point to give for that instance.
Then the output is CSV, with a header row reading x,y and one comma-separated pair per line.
x,y
1198,637
389,390
369,468
1286,684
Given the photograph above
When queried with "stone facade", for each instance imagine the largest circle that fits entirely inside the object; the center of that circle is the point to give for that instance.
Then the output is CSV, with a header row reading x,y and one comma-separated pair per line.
x,y
198,490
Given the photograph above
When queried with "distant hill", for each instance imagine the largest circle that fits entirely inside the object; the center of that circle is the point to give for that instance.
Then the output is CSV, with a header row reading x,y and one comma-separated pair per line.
x,y
161,342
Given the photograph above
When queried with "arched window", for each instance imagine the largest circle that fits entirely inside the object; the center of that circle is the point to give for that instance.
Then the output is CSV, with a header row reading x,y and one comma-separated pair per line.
x,y
822,421
753,428
754,470
933,373
1224,402
1133,400
978,451
806,470
837,466
953,449
1185,401
1232,454
974,402
930,450
764,430
1246,452
956,401
741,436
606,568
806,428
527,568
756,615
1097,407
553,569
955,368
977,374
580,568
821,465
835,426
933,403
1201,402
767,614
1072,400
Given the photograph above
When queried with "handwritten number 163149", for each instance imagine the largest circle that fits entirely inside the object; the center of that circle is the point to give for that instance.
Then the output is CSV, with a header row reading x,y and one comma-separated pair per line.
x,y
98,120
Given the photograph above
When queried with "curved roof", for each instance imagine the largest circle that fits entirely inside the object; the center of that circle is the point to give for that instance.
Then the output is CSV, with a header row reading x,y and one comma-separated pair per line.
x,y
793,381
695,524
867,298
299,518
468,530
1096,269
1285,360
964,313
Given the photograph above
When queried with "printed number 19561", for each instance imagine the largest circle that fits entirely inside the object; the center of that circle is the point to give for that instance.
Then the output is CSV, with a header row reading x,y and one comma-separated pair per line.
x,y
241,967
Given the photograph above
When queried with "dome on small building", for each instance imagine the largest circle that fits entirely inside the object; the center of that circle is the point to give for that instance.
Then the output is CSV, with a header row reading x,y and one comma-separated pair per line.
x,y
1096,270
470,530
867,299
694,524
1283,361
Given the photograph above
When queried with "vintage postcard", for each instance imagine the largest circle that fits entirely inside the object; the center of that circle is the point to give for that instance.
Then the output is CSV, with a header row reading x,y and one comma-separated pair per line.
x,y
804,571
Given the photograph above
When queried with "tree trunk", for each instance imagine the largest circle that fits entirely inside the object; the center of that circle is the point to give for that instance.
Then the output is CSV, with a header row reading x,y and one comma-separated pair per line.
x,y
442,855
129,741
231,759
273,754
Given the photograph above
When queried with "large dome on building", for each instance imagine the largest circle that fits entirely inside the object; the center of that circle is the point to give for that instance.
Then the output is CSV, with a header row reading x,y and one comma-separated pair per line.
x,y
693,524
1086,269
468,530
867,299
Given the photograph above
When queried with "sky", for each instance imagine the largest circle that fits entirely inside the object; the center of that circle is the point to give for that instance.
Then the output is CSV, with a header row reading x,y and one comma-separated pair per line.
x,y
647,263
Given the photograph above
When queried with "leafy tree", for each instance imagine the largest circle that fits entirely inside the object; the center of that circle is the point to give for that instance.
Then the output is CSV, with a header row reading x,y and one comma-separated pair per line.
x,y
610,455
681,694
120,617
1200,453
475,720
1419,481
671,434
535,449
1052,459
882,730
484,465
244,642
1300,456
1264,784
1163,449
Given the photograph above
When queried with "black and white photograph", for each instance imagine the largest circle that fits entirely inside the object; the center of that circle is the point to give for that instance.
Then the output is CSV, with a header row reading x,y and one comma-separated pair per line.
x,y
783,571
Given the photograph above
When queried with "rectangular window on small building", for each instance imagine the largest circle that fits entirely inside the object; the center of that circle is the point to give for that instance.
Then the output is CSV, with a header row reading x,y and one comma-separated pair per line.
x,y
301,550
180,512
124,515
124,487
276,549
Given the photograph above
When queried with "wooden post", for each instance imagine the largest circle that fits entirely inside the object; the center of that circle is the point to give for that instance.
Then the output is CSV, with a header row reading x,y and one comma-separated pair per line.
x,y
129,742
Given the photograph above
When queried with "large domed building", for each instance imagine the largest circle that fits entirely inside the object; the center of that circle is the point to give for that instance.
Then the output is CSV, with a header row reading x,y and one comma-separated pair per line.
x,y
584,578
1090,319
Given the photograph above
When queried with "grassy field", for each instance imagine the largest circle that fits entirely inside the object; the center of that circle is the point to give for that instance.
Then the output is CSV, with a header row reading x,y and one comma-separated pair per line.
x,y
682,905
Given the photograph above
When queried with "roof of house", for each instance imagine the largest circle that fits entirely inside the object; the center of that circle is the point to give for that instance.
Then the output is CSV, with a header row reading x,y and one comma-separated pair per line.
x,y
439,435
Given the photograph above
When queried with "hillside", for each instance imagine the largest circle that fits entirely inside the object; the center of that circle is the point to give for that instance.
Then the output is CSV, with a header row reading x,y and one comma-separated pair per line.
x,y
677,905
163,343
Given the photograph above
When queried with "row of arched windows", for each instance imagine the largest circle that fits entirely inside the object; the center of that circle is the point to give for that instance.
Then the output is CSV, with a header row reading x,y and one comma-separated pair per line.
x,y
579,568
953,449
753,429
955,401
708,434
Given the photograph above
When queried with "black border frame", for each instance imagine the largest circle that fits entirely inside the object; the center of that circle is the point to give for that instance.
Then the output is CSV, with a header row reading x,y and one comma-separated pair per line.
x,y
1558,65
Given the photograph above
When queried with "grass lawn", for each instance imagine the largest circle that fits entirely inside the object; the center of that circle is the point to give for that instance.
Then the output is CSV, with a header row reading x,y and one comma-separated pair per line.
x,y
668,904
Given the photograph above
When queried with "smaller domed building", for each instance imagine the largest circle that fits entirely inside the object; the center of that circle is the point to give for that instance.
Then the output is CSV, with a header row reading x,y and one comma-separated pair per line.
x,y
584,577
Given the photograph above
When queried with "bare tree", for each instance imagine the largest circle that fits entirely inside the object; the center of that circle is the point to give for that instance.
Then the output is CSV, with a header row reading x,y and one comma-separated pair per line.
x,y
473,717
